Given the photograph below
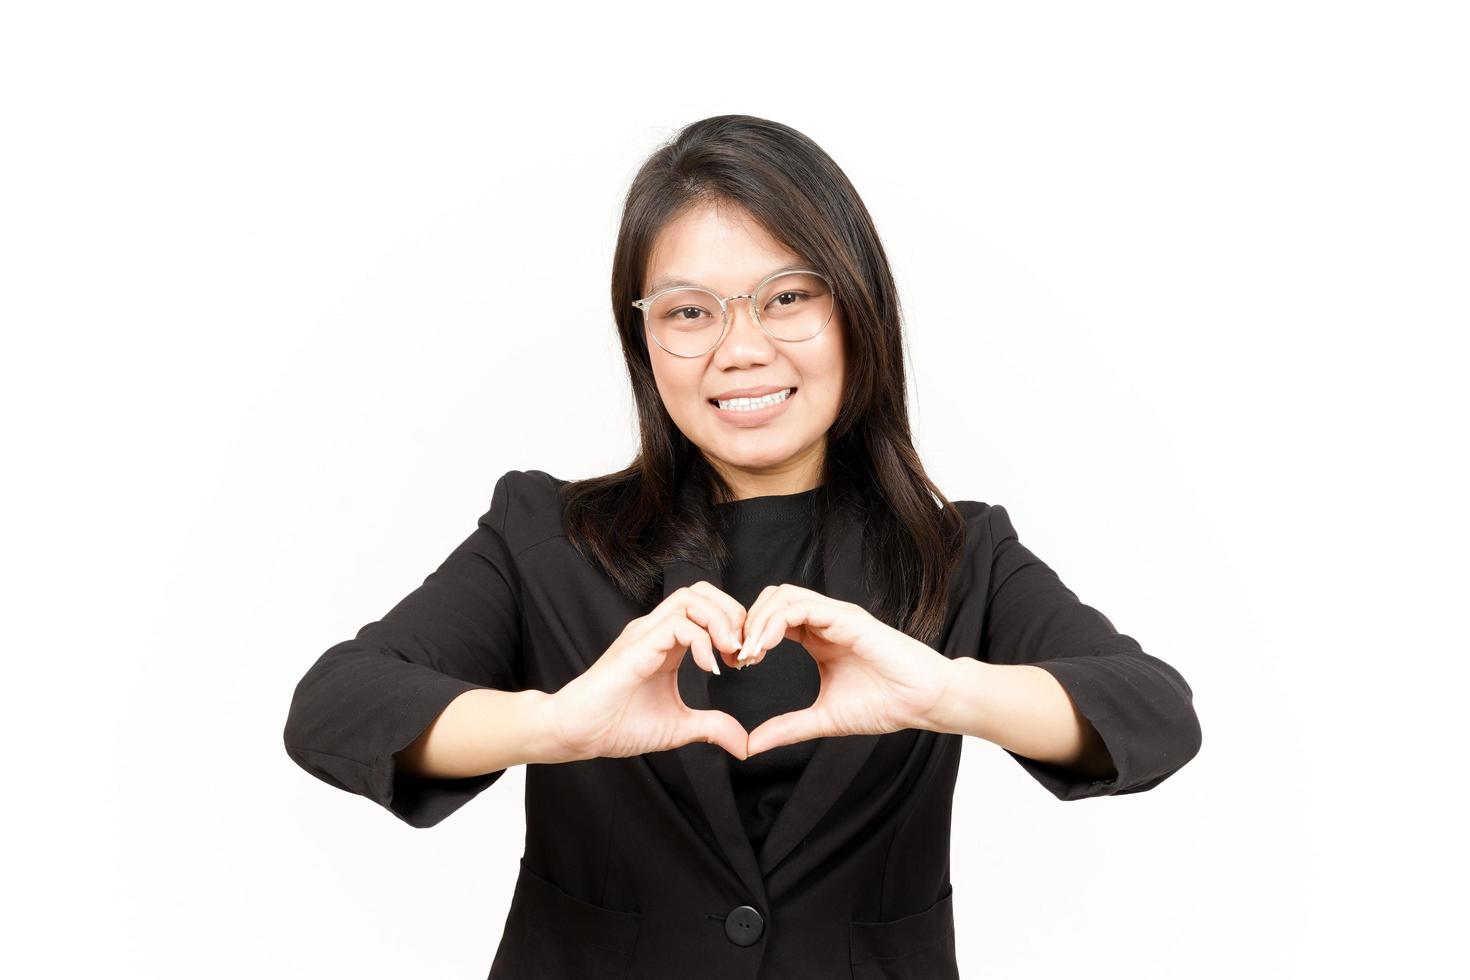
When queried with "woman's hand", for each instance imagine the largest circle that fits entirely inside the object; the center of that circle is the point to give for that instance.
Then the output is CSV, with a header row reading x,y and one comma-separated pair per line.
x,y
628,703
874,678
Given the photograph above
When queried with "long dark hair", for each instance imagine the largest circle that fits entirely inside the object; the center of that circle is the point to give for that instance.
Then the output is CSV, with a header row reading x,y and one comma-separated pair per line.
x,y
661,506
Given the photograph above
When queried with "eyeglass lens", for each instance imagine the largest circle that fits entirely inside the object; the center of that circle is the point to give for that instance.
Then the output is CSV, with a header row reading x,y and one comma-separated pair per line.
x,y
792,307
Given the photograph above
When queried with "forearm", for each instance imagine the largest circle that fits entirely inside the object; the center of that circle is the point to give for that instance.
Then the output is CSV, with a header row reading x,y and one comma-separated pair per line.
x,y
1022,708
482,731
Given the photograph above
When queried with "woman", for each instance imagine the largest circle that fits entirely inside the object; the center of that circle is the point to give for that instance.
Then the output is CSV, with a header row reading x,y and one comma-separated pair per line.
x,y
777,802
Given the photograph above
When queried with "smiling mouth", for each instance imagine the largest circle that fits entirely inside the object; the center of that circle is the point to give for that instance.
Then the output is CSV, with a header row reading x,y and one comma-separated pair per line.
x,y
790,392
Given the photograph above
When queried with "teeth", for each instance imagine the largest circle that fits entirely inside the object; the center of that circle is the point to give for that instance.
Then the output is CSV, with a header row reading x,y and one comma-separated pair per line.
x,y
751,404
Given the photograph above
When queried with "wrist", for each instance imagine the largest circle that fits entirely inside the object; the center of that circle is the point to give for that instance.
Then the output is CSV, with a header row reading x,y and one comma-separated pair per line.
x,y
962,708
544,745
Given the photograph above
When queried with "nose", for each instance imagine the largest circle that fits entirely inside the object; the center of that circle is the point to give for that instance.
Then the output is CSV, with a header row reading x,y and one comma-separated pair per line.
x,y
744,329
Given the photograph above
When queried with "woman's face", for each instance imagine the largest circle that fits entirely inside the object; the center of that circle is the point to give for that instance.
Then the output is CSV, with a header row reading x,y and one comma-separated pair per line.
x,y
721,247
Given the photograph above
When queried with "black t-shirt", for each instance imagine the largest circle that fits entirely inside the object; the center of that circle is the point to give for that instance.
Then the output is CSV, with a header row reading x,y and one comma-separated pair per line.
x,y
767,538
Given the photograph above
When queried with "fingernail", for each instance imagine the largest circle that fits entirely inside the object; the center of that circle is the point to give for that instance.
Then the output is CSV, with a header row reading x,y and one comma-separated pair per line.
x,y
715,663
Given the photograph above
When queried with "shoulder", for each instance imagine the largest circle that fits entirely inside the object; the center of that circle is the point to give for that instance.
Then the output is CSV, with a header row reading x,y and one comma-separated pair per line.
x,y
525,508
988,531
530,492
989,541
983,517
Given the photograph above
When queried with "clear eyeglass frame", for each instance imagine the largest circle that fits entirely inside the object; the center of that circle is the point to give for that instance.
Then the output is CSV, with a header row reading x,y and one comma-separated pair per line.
x,y
646,302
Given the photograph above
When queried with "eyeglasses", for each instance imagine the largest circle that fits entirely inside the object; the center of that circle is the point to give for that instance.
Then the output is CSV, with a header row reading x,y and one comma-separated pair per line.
x,y
790,306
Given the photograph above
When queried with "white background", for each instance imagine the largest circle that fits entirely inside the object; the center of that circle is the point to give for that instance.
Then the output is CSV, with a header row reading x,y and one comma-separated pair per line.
x,y
1185,290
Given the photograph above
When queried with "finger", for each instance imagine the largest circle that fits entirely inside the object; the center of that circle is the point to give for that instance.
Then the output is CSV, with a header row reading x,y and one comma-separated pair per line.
x,y
696,638
760,610
785,729
708,611
734,611
719,728
826,618
663,634
683,596
786,615
778,627
672,635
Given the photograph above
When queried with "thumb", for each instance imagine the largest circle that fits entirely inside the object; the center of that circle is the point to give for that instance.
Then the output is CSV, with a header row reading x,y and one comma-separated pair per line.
x,y
719,728
784,729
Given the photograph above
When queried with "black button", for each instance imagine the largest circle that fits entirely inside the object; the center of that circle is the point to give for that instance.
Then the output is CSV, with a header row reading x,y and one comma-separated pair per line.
x,y
744,925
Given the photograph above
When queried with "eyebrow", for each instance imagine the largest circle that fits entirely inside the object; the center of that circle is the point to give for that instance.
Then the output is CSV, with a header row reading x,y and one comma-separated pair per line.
x,y
668,282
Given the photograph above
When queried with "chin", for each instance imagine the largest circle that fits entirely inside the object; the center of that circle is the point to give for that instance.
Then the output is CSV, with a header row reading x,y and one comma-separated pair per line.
x,y
757,458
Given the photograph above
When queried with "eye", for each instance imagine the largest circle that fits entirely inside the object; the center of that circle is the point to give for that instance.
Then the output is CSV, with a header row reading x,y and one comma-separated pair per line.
x,y
791,295
677,314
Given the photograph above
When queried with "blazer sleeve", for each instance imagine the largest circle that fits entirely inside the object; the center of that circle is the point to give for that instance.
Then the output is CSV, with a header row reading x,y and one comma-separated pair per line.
x,y
366,698
1141,706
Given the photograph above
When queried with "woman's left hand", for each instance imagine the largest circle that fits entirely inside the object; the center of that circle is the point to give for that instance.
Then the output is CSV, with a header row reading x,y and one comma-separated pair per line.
x,y
874,678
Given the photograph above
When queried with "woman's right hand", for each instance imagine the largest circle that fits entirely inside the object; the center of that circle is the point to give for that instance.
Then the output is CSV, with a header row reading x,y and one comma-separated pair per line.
x,y
628,703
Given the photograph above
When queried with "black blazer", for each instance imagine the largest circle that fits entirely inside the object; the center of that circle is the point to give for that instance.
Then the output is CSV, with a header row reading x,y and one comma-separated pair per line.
x,y
640,866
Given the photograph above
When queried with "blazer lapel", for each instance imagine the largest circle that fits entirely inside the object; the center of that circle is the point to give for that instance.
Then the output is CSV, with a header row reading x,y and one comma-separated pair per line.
x,y
707,765
836,759
835,762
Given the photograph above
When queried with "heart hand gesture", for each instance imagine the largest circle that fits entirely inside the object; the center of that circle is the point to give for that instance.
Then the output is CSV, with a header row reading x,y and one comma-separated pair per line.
x,y
874,678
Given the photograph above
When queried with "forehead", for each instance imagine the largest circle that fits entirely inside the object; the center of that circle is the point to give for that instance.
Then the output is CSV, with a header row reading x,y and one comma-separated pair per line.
x,y
718,245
